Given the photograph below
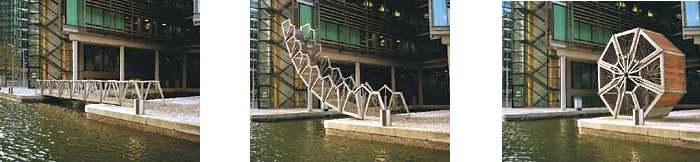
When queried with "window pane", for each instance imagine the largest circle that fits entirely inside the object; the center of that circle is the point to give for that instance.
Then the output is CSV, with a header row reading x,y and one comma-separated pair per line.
x,y
575,32
72,12
576,75
585,32
440,13
332,31
692,15
305,15
560,22
595,30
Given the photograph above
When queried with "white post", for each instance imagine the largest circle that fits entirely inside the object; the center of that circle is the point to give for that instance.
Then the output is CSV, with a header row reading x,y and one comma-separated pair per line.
x,y
420,87
562,80
309,100
157,68
393,78
357,74
184,71
121,63
75,60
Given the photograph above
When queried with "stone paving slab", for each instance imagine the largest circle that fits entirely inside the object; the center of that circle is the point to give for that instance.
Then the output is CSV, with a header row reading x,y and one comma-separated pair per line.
x,y
280,114
424,129
680,128
20,94
125,116
516,114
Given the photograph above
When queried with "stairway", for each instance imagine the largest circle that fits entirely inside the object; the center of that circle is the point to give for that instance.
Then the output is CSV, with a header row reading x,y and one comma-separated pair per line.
x,y
328,84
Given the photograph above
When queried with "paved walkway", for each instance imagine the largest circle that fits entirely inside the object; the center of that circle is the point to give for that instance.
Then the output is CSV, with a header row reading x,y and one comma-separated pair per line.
x,y
679,128
179,109
20,94
514,114
429,129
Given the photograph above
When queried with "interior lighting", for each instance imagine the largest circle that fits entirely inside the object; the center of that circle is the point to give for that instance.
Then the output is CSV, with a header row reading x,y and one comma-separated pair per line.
x,y
621,4
635,9
146,20
164,24
397,13
381,8
650,14
368,4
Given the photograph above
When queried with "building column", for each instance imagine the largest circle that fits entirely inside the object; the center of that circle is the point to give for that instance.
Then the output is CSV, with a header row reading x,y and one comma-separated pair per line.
x,y
393,78
184,71
121,63
562,82
75,60
357,74
157,68
420,87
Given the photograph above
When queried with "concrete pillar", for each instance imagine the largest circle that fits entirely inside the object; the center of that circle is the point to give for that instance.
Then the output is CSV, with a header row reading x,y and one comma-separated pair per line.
x,y
157,68
121,63
562,80
184,71
393,78
357,74
420,87
75,60
309,100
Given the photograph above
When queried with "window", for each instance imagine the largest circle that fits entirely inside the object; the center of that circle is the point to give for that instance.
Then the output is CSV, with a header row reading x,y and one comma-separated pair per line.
x,y
584,31
560,20
72,12
584,76
441,12
595,36
332,31
305,15
692,14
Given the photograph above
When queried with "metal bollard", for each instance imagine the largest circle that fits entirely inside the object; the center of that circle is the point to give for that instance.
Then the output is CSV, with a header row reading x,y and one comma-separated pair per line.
x,y
385,117
9,90
638,115
138,106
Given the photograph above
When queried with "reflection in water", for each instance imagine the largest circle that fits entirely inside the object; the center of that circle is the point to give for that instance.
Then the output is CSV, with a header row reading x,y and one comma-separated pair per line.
x,y
558,140
136,149
42,132
305,140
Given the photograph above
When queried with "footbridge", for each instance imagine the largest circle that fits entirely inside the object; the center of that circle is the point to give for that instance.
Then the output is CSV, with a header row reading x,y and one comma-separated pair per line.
x,y
327,83
123,93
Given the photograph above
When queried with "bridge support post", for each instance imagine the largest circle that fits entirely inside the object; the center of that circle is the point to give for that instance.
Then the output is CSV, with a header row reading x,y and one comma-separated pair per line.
x,y
385,117
138,106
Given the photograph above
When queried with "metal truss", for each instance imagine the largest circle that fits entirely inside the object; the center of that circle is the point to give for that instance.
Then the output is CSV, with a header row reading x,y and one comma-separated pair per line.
x,y
328,84
100,91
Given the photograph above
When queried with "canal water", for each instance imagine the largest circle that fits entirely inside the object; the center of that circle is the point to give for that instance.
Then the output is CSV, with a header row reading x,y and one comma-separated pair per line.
x,y
305,140
43,132
558,140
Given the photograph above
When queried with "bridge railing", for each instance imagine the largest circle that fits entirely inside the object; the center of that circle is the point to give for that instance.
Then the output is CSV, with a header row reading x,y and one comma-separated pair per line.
x,y
102,91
